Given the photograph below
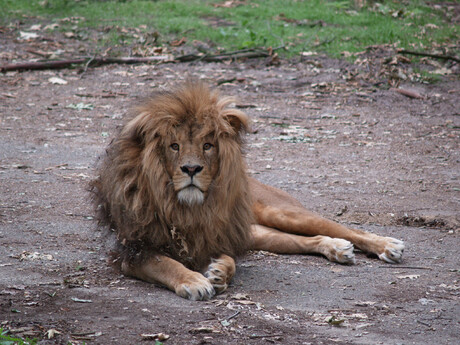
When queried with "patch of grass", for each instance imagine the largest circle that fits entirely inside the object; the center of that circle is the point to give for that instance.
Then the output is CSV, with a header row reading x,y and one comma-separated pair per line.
x,y
330,26
5,339
427,77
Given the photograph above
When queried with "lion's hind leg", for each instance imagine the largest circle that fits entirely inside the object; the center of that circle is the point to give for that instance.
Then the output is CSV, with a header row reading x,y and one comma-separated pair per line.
x,y
275,241
160,269
299,221
220,272
276,209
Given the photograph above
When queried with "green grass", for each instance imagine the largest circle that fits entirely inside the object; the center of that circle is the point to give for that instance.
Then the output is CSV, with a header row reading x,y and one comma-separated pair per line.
x,y
260,23
7,340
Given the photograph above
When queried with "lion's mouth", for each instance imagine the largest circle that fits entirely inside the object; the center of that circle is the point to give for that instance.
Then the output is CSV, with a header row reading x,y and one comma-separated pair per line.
x,y
191,195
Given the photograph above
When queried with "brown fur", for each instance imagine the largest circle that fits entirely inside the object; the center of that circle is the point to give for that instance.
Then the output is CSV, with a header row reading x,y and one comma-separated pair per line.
x,y
134,190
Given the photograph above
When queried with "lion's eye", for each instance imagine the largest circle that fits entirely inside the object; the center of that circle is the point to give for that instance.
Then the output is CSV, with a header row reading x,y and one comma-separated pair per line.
x,y
207,146
175,147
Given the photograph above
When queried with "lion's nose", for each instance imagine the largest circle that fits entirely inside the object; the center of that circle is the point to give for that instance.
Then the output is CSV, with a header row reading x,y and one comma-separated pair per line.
x,y
191,170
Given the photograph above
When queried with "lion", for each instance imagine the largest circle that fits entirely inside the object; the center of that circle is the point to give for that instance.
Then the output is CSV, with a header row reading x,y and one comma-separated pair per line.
x,y
174,188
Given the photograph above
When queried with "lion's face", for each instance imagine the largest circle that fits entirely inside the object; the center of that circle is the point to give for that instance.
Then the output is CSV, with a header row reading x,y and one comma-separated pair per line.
x,y
192,162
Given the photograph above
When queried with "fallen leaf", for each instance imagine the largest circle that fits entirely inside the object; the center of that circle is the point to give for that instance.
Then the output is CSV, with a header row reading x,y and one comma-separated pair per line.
x,y
409,276
155,336
51,26
308,53
431,26
225,323
425,301
246,302
230,4
332,320
81,106
51,333
56,80
240,296
177,43
35,256
204,329
27,35
442,71
365,303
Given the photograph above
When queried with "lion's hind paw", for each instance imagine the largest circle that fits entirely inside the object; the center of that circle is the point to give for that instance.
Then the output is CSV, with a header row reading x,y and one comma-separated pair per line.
x,y
393,250
339,250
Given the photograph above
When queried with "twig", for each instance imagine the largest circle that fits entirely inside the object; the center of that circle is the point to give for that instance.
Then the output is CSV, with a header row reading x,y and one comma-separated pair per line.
x,y
225,81
232,316
408,267
424,323
87,65
255,336
36,52
437,56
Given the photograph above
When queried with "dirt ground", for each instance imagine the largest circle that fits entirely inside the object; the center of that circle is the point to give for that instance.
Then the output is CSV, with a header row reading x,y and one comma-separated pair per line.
x,y
330,132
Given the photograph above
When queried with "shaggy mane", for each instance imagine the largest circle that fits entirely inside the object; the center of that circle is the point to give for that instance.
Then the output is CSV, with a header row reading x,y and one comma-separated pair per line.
x,y
134,194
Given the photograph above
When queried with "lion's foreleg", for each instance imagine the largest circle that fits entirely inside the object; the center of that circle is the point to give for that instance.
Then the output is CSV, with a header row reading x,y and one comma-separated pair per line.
x,y
220,272
275,241
162,270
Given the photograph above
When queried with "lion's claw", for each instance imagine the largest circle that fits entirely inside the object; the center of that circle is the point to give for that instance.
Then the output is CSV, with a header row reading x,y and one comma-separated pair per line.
x,y
338,250
197,288
393,251
219,274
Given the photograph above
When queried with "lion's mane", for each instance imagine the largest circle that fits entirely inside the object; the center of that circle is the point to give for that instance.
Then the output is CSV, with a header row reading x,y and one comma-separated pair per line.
x,y
134,194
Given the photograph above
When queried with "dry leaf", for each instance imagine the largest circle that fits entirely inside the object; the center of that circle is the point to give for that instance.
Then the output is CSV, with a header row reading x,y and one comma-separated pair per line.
x,y
155,336
51,333
24,36
35,256
56,80
177,43
409,276
442,71
51,26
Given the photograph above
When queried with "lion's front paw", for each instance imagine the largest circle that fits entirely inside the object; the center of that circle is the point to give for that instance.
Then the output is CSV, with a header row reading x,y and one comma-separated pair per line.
x,y
196,287
217,278
220,272
338,250
393,250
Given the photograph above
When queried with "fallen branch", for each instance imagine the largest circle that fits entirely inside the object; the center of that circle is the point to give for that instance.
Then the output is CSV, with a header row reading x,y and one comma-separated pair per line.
x,y
437,56
97,61
408,93
58,64
239,54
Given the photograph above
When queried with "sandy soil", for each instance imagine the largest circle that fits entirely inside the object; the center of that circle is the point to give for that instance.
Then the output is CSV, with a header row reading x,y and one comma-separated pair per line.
x,y
331,133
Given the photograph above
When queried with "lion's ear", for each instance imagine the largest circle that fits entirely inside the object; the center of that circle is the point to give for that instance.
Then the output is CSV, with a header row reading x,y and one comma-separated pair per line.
x,y
137,129
237,119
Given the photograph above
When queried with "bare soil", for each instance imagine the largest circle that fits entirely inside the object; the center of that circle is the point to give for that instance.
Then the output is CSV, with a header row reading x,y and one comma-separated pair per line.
x,y
330,132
